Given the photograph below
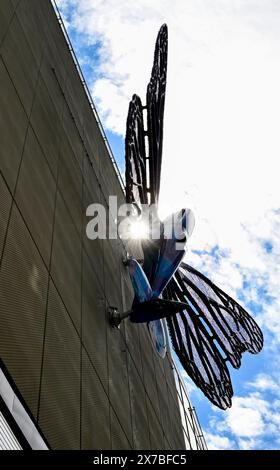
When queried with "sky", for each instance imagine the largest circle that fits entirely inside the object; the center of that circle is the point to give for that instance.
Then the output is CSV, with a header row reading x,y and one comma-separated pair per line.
x,y
221,158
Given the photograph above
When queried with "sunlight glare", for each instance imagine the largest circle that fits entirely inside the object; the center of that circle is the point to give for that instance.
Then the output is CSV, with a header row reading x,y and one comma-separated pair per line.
x,y
139,230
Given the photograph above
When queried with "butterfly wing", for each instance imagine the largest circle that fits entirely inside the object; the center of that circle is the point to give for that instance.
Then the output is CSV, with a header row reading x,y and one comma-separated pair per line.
x,y
212,331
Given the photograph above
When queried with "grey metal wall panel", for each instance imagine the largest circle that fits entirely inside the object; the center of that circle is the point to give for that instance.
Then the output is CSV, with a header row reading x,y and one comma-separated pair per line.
x,y
6,14
175,435
94,252
59,413
162,393
5,205
35,195
46,125
118,436
49,76
24,70
15,2
140,424
33,24
75,96
113,267
92,195
148,368
118,380
91,133
156,431
75,138
133,345
56,52
13,127
66,261
70,182
107,174
112,283
94,320
92,190
23,291
95,410
169,376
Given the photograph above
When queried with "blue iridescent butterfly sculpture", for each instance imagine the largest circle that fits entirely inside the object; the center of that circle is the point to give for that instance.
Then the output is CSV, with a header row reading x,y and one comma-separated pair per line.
x,y
207,327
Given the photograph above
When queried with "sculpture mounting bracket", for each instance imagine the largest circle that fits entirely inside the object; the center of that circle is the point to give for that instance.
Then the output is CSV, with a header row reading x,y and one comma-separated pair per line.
x,y
115,317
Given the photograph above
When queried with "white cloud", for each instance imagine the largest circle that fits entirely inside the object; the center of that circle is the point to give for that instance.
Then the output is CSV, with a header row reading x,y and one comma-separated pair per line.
x,y
245,418
248,444
215,442
253,421
264,382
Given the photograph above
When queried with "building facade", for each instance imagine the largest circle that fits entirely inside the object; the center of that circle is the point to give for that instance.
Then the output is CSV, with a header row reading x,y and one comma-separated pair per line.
x,y
84,384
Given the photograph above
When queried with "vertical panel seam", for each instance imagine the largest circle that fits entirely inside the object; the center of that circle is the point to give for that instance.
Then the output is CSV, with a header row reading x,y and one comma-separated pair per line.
x,y
49,275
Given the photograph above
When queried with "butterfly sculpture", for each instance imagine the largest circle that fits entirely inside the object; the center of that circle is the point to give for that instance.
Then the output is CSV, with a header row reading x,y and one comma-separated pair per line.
x,y
207,327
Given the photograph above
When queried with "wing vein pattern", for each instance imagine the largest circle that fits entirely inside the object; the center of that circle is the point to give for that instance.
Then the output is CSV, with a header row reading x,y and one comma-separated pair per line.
x,y
213,329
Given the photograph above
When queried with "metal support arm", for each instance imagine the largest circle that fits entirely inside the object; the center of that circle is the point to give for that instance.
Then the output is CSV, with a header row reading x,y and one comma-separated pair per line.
x,y
115,317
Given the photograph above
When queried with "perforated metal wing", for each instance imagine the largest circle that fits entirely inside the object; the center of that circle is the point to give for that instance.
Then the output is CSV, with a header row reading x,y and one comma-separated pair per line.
x,y
142,171
155,111
213,329
142,180
136,171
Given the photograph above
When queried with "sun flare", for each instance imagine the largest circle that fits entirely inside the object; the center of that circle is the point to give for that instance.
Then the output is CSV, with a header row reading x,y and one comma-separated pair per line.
x,y
138,230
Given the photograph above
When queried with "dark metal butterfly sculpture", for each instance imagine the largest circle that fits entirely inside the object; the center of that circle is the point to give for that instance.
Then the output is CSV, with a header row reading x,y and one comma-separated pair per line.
x,y
207,327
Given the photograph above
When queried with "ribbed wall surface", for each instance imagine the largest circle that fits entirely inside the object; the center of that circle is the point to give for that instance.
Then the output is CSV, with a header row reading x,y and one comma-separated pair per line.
x,y
8,440
87,385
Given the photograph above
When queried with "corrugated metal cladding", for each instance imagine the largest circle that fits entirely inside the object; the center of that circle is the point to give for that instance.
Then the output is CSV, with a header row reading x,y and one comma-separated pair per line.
x,y
87,386
8,440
